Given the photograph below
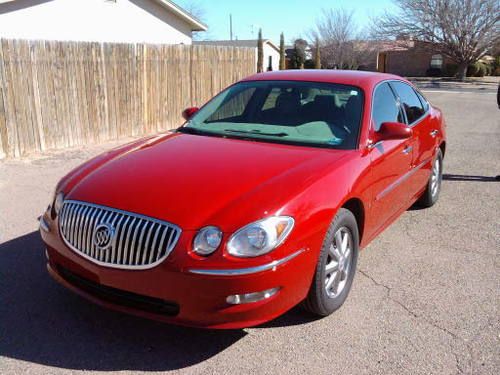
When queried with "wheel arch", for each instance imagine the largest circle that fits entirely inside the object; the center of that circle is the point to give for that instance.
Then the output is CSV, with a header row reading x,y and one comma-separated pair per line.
x,y
355,205
442,147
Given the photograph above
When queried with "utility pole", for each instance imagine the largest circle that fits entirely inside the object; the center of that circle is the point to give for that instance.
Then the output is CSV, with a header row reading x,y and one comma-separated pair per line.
x,y
231,26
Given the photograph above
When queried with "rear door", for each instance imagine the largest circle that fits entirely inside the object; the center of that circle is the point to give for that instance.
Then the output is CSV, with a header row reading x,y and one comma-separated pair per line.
x,y
423,141
391,160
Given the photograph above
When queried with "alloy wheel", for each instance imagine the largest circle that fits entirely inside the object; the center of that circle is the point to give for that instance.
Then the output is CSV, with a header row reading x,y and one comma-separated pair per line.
x,y
435,177
338,263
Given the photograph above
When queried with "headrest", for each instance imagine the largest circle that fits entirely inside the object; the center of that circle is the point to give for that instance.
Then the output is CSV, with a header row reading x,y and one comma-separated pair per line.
x,y
323,100
353,103
288,100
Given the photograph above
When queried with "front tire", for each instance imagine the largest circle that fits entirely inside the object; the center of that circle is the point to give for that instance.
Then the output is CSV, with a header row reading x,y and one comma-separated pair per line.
x,y
431,193
336,266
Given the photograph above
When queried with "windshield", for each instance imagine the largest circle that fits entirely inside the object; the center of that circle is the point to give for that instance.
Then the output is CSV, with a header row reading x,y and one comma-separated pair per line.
x,y
307,113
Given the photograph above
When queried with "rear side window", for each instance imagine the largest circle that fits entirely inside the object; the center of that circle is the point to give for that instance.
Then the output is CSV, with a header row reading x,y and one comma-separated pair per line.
x,y
424,102
409,101
385,106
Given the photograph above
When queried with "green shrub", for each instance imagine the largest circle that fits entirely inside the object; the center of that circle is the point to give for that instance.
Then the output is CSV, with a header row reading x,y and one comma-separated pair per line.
x,y
478,69
496,67
489,69
481,69
450,70
434,72
472,70
309,64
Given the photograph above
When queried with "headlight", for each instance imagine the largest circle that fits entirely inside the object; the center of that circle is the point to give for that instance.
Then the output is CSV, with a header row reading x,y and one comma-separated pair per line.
x,y
58,203
207,240
260,237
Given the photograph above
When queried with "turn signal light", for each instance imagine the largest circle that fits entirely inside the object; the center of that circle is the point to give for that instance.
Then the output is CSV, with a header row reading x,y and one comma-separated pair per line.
x,y
239,299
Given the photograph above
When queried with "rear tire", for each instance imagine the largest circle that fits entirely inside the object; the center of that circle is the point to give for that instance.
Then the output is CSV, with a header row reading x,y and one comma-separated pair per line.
x,y
336,266
431,193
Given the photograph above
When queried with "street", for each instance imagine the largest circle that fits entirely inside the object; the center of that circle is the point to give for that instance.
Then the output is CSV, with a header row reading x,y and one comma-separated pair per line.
x,y
425,299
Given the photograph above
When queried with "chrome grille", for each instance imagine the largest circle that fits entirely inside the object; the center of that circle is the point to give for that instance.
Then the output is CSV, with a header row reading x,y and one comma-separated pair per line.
x,y
135,241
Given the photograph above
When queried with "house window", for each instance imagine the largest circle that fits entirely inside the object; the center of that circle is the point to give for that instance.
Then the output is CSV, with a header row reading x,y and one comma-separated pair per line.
x,y
437,61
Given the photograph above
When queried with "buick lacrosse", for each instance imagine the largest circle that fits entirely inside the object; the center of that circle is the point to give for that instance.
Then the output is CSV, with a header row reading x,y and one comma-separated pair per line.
x,y
262,200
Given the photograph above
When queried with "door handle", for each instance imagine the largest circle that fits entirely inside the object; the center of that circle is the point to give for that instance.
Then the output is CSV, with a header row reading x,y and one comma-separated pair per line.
x,y
434,133
407,150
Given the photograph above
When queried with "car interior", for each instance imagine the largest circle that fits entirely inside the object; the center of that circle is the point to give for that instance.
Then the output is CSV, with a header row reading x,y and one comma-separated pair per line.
x,y
309,111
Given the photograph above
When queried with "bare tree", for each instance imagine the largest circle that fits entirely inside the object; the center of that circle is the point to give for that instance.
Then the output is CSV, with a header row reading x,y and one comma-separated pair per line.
x,y
195,8
464,30
335,30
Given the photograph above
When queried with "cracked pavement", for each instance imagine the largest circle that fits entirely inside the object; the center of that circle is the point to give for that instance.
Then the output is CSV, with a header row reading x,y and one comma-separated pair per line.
x,y
424,301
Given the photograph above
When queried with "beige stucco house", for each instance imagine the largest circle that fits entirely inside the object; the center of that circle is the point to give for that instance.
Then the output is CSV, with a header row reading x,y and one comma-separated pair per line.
x,y
119,21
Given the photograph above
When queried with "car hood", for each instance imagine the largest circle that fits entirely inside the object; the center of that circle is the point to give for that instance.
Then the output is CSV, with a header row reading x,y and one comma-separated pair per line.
x,y
193,180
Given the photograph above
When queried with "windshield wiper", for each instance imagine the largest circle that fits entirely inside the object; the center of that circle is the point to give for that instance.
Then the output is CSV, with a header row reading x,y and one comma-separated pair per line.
x,y
189,130
196,131
256,132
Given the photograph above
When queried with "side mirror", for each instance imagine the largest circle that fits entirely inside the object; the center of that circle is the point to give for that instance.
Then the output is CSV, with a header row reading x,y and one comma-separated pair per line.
x,y
189,112
393,130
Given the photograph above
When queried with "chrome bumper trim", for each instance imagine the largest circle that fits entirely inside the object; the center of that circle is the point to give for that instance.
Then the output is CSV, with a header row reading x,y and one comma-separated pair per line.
x,y
44,225
246,271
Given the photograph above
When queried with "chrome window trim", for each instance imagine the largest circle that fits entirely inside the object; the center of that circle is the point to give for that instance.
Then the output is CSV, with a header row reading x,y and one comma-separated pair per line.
x,y
134,215
246,271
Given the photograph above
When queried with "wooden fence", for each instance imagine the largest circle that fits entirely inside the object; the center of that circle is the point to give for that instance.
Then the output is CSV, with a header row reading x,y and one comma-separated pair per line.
x,y
61,94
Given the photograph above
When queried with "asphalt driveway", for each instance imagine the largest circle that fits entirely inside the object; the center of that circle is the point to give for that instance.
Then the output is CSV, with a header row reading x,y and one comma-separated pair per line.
x,y
425,299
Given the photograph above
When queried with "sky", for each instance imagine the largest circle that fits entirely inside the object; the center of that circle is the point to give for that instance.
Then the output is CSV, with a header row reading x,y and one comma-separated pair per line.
x,y
292,17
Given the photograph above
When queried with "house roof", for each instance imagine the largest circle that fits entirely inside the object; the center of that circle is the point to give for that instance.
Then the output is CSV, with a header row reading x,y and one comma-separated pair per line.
x,y
251,43
195,23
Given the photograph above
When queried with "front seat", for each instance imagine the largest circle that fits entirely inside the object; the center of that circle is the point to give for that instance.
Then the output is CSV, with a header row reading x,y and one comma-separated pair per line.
x,y
287,108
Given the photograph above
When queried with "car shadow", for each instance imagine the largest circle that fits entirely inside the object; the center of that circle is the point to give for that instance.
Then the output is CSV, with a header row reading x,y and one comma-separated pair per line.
x,y
41,322
295,316
460,177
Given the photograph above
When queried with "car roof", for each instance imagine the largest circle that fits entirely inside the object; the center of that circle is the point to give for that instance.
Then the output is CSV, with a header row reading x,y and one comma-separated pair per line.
x,y
362,79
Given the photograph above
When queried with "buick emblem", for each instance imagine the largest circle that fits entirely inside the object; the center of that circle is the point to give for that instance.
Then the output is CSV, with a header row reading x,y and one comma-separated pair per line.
x,y
103,236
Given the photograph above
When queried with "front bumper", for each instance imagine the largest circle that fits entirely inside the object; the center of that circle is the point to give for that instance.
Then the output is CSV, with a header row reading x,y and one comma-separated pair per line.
x,y
187,291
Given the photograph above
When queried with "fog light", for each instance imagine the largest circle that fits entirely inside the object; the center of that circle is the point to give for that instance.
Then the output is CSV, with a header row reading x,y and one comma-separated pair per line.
x,y
44,225
239,299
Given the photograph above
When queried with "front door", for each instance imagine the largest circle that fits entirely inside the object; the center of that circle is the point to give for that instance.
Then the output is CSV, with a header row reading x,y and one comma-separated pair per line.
x,y
391,162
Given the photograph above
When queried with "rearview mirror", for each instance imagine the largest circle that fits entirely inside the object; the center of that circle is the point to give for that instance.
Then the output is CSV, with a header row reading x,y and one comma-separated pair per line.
x,y
189,112
393,130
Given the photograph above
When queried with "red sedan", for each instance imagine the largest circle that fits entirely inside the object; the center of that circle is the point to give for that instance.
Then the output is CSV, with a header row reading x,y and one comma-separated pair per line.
x,y
259,202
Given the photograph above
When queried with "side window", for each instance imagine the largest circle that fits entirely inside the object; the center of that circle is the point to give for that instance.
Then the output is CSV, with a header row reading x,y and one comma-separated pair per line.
x,y
385,106
409,100
424,102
